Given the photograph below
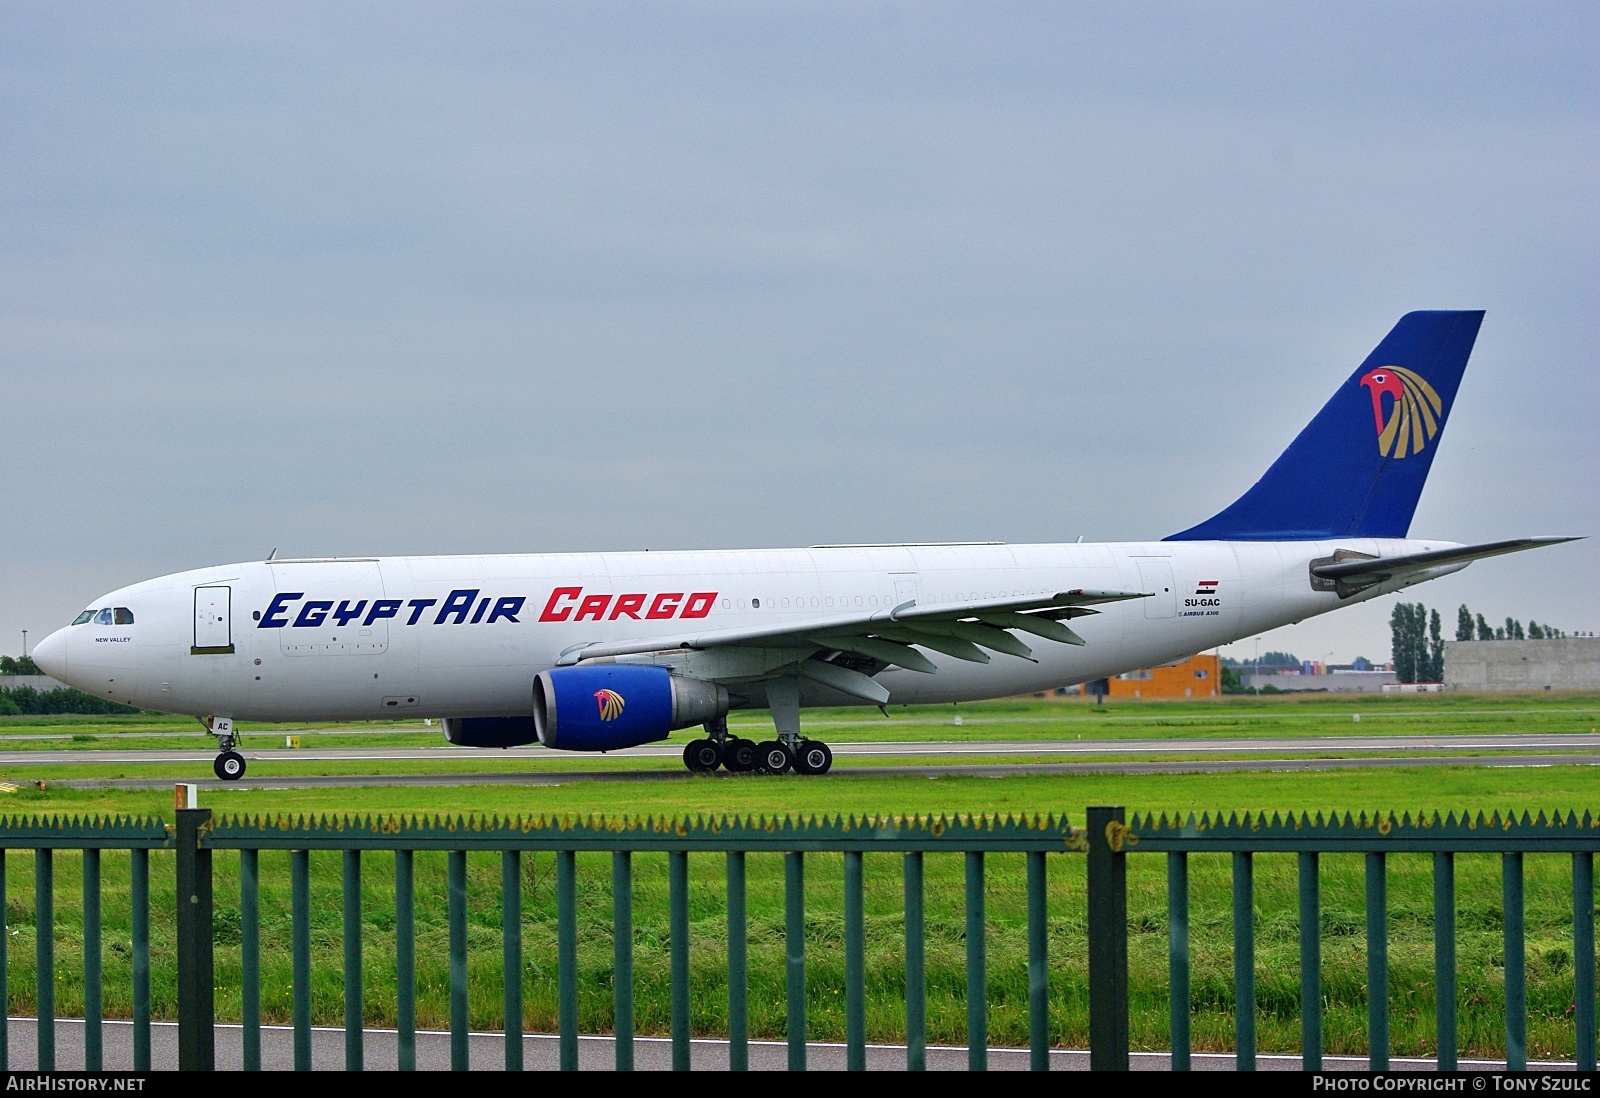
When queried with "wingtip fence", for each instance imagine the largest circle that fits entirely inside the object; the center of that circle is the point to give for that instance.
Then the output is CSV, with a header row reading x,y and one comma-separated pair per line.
x,y
1108,837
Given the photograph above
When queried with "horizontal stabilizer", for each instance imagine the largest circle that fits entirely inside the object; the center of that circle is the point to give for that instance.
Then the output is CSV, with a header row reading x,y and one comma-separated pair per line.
x,y
1382,569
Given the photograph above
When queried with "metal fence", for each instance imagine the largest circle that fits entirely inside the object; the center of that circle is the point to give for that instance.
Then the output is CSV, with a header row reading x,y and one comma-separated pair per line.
x,y
1108,839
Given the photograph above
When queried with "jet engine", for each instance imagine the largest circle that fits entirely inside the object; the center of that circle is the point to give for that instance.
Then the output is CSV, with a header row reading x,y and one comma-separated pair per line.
x,y
606,707
489,731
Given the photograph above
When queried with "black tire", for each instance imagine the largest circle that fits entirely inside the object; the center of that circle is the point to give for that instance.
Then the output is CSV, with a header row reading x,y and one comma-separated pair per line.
x,y
814,757
701,756
739,756
774,757
229,766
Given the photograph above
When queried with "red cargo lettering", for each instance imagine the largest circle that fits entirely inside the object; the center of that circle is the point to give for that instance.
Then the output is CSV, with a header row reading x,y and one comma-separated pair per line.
x,y
560,593
628,606
665,604
593,606
699,604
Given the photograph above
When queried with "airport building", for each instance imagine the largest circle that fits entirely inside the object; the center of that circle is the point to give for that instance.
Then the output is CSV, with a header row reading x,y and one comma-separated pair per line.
x,y
1317,676
1196,677
1567,663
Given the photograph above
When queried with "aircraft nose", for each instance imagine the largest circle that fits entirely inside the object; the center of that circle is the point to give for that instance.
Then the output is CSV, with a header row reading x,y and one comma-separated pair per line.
x,y
51,655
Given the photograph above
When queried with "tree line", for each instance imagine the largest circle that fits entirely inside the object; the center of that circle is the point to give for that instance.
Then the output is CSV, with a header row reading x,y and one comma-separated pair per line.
x,y
1417,644
1476,627
26,701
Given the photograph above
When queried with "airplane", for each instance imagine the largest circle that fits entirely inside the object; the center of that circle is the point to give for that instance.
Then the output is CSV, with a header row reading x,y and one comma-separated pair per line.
x,y
606,651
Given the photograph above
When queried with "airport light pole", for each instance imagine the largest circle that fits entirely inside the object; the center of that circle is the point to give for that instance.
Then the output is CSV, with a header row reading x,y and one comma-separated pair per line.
x,y
24,644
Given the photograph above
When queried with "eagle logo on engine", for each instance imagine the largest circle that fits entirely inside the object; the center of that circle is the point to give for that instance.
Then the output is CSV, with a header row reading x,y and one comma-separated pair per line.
x,y
610,703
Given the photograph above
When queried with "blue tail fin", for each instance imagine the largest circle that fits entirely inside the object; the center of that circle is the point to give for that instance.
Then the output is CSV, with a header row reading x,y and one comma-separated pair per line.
x,y
1357,470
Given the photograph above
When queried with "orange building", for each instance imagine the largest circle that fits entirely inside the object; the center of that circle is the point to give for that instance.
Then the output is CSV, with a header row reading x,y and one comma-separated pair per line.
x,y
1196,677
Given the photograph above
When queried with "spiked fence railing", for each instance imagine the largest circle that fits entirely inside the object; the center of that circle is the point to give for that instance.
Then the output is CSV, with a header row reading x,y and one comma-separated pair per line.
x,y
1377,837
1108,839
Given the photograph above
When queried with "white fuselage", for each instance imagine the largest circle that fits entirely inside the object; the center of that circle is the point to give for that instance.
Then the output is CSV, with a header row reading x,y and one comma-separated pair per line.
x,y
464,636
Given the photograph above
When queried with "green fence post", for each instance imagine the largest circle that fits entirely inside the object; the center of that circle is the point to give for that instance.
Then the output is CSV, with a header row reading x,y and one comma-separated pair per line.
x,y
405,959
738,967
5,993
1377,961
794,896
92,1046
977,968
916,967
855,992
44,948
1244,961
1444,956
300,950
1178,956
1582,954
511,953
1108,940
196,986
250,956
1038,964
354,1012
1310,964
622,955
567,957
460,1022
1516,964
139,874
678,944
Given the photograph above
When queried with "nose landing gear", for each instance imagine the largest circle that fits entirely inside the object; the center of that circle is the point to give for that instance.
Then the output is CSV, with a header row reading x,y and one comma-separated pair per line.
x,y
229,764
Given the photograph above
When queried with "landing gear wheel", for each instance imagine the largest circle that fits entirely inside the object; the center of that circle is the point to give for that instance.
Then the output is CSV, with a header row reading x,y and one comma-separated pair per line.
x,y
739,756
229,766
814,757
701,756
774,757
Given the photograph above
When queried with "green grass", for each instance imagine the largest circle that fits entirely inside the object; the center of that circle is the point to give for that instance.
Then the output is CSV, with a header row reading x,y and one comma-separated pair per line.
x,y
858,791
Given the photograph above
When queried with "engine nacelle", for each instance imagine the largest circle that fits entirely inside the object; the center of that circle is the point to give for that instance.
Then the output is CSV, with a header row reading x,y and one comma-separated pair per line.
x,y
607,707
490,731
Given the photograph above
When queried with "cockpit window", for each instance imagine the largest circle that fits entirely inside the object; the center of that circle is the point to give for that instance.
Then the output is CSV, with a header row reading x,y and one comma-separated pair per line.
x,y
103,617
121,615
83,617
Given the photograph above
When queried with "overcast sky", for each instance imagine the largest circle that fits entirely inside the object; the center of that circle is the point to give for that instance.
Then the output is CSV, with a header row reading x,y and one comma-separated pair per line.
x,y
383,279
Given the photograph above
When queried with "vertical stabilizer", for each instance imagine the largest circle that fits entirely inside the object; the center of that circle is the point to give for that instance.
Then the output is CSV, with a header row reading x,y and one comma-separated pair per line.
x,y
1358,468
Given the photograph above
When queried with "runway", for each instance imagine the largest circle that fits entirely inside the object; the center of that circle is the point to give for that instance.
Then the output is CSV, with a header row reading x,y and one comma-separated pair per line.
x,y
860,759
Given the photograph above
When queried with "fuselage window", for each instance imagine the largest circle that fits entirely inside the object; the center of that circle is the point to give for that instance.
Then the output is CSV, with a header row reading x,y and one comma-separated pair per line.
x,y
121,615
103,617
755,604
83,617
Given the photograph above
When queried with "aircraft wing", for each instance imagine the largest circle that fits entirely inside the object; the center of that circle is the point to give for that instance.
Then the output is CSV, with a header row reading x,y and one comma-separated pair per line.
x,y
1370,570
885,637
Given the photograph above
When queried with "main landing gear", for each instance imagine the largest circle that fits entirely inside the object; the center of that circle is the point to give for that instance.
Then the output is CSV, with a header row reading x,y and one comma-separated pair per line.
x,y
229,765
790,751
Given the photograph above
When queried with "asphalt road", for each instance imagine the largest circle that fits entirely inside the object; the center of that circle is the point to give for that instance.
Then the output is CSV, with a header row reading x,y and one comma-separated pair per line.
x,y
861,759
486,1052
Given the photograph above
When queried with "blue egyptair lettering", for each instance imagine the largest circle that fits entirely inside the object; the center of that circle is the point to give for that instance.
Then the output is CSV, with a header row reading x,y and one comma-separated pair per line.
x,y
276,616
313,614
345,612
482,606
382,608
507,608
417,607
458,603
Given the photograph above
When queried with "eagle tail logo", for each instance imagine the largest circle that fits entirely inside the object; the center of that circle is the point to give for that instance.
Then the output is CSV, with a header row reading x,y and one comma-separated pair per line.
x,y
1415,410
610,703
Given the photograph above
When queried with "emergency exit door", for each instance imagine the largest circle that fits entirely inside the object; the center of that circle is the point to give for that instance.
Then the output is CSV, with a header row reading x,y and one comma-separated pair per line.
x,y
213,620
